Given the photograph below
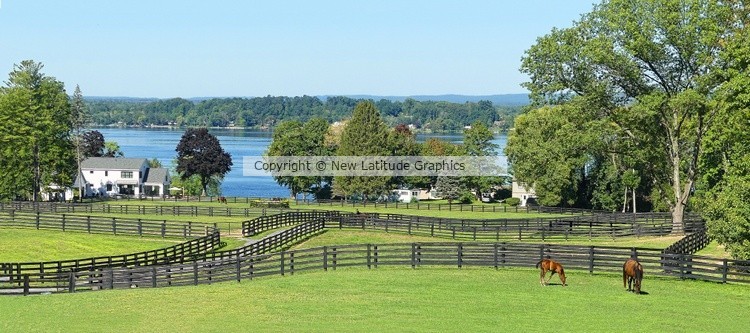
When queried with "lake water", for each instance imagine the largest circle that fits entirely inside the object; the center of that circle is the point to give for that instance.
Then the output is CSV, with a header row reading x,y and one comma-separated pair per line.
x,y
160,143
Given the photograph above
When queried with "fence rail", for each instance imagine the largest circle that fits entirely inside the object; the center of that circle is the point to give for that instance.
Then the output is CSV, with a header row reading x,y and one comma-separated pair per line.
x,y
103,225
591,259
206,238
108,208
584,226
690,244
264,223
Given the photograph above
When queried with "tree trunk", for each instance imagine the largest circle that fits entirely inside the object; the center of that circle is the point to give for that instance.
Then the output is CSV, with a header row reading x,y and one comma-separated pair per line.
x,y
37,174
625,200
634,210
678,209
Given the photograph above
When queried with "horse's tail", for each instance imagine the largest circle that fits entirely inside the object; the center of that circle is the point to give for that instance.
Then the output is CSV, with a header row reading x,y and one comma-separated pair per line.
x,y
539,263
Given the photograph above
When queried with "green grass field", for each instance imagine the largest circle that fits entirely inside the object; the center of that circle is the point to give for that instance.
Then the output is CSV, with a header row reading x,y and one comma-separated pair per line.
x,y
392,299
456,214
713,249
353,236
29,245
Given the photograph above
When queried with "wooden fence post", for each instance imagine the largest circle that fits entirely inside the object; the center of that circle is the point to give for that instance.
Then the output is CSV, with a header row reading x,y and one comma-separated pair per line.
x,y
325,258
369,256
591,260
494,255
460,254
413,255
195,272
334,258
724,270
71,282
153,276
25,284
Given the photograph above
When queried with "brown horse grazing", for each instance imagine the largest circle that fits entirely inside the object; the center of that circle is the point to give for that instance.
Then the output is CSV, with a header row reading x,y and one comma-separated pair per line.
x,y
223,200
632,272
552,266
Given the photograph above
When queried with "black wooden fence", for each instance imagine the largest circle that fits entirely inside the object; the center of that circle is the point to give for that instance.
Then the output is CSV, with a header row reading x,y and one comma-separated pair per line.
x,y
12,274
103,225
591,259
25,280
443,206
264,223
585,226
173,210
690,244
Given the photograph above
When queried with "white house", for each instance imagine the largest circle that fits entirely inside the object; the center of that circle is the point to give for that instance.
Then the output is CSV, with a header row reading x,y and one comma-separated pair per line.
x,y
111,176
407,195
527,195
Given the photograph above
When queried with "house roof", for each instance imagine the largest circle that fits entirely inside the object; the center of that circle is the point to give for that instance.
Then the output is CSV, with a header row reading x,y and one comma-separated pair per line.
x,y
113,163
156,175
80,181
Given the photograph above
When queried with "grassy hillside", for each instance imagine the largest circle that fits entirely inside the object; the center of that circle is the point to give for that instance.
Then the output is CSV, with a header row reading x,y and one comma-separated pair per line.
x,y
29,245
393,299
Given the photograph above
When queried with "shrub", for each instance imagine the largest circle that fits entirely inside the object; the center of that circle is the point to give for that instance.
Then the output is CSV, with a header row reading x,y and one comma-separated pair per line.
x,y
513,201
466,197
502,193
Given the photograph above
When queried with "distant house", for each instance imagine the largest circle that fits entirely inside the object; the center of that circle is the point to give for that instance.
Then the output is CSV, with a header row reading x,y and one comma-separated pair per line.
x,y
407,195
526,195
113,176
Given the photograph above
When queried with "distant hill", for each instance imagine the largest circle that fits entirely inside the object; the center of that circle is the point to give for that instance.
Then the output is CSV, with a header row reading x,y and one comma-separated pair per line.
x,y
120,99
504,99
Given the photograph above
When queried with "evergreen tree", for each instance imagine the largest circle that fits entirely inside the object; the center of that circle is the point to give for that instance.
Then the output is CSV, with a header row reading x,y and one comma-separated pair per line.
x,y
78,120
36,149
449,188
364,135
478,142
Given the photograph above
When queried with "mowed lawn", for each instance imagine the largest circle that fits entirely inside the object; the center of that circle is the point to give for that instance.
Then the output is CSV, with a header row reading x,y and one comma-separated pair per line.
x,y
29,245
354,236
392,299
456,213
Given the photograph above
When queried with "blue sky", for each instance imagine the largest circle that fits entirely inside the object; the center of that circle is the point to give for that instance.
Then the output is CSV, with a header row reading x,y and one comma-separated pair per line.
x,y
163,48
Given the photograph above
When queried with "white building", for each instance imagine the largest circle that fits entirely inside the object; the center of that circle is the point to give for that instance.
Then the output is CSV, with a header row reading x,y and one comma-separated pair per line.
x,y
527,195
111,176
407,195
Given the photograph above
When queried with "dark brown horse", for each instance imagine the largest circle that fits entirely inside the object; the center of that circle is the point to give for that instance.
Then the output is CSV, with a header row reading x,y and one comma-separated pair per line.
x,y
223,200
632,274
551,266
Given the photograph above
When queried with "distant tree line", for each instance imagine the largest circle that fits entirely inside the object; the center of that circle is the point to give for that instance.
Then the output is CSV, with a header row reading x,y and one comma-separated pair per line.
x,y
366,134
269,111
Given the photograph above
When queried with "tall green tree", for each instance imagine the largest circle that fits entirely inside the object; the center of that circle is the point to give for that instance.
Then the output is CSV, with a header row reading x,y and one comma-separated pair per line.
x,y
112,149
199,153
364,135
478,142
724,190
649,68
289,140
78,117
35,132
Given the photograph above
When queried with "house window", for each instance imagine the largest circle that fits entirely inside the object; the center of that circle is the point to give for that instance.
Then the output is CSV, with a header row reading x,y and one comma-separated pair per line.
x,y
106,173
126,174
109,187
91,171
